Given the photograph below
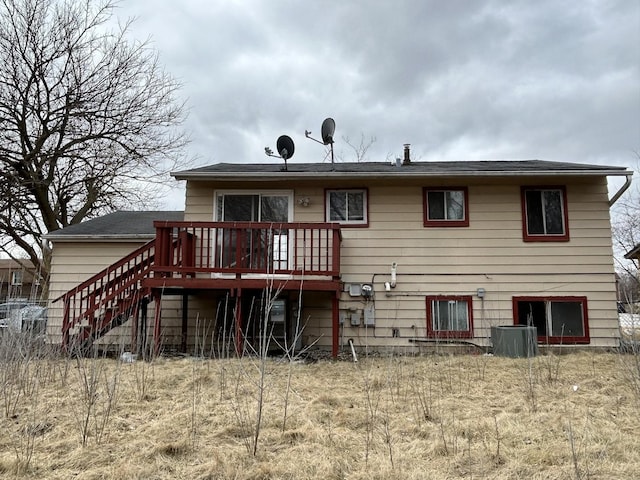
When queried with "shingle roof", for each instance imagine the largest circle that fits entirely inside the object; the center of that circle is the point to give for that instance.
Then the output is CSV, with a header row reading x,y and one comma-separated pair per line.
x,y
413,169
120,224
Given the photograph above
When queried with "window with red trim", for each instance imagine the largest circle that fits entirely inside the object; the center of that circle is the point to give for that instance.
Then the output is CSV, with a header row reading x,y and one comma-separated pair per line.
x,y
557,319
544,214
449,316
446,207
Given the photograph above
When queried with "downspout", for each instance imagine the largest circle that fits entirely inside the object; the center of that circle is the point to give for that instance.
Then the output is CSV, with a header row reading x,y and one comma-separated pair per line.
x,y
622,189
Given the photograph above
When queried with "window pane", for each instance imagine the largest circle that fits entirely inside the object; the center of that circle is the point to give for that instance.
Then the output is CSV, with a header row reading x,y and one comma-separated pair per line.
x,y
461,318
533,313
337,206
566,319
435,202
449,315
455,205
355,206
240,208
535,220
440,309
274,209
553,211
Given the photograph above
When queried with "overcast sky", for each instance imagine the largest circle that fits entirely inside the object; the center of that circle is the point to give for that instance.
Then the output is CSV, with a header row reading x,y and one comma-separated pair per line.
x,y
458,80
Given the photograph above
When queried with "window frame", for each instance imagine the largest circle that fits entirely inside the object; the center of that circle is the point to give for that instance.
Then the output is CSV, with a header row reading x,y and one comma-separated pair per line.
x,y
259,193
432,333
17,277
547,338
217,248
444,222
364,223
544,237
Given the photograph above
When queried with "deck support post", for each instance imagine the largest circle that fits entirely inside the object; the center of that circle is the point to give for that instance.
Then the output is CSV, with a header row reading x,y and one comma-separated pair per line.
x,y
133,343
185,321
335,316
157,298
238,322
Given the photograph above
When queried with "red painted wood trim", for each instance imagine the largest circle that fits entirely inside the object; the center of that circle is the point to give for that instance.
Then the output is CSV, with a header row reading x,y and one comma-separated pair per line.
x,y
445,223
554,340
523,205
431,333
335,330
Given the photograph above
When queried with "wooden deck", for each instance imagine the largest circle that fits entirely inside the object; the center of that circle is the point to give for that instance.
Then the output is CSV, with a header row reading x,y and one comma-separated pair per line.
x,y
203,255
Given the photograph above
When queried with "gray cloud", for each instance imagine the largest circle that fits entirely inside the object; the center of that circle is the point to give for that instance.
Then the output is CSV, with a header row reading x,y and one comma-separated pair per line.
x,y
458,80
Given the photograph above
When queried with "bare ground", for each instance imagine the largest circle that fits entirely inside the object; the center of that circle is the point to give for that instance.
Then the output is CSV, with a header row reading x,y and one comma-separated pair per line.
x,y
569,416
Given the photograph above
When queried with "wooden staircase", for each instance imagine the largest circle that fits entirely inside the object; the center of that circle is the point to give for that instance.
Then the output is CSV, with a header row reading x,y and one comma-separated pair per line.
x,y
106,300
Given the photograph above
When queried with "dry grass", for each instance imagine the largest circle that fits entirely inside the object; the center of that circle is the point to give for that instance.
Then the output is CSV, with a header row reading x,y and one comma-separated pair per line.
x,y
439,417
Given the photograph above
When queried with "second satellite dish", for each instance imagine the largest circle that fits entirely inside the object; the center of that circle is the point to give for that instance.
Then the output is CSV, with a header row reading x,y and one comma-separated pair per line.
x,y
327,130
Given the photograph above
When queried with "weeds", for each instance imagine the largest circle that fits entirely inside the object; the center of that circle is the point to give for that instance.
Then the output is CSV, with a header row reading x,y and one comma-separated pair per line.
x,y
98,395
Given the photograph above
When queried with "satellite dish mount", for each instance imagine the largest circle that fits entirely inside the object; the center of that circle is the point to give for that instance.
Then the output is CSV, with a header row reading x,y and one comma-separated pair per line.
x,y
327,130
285,147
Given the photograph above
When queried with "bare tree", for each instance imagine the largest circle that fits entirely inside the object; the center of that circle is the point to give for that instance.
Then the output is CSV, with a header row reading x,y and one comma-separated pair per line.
x,y
626,236
88,119
359,150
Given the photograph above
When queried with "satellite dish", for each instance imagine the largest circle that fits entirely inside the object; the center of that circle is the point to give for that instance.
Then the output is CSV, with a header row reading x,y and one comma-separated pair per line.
x,y
327,130
285,146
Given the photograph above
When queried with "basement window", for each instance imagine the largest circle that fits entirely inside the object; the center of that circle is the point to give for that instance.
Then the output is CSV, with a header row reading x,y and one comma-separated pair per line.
x,y
446,207
557,319
449,316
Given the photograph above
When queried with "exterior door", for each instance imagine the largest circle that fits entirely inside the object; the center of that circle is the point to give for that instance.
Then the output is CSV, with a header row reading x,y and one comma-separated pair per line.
x,y
254,249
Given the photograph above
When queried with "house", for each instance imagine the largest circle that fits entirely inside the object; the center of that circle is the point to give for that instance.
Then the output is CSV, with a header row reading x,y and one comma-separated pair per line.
x,y
384,255
634,253
19,280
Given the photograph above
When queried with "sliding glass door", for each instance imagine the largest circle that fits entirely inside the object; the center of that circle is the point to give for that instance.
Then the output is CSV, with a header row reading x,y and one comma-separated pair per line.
x,y
251,248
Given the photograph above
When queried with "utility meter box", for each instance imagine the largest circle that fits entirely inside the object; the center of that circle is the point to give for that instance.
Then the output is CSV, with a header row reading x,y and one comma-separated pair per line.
x,y
370,315
278,311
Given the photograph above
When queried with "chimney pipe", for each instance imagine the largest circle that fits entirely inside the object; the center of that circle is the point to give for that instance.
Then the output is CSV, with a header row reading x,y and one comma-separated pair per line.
x,y
407,154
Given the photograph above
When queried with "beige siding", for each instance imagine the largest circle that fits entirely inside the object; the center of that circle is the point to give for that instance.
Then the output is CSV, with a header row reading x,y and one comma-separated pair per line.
x,y
489,254
73,263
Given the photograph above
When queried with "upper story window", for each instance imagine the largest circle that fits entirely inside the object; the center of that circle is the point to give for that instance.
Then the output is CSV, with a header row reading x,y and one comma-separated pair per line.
x,y
449,316
347,206
446,207
544,214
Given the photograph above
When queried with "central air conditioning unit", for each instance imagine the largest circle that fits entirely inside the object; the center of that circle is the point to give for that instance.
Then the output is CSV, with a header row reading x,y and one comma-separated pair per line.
x,y
515,341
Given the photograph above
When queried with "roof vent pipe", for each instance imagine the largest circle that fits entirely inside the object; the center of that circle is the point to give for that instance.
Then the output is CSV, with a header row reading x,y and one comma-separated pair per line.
x,y
407,154
398,162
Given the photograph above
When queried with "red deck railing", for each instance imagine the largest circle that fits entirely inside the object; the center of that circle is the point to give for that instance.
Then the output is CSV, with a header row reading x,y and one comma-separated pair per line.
x,y
112,292
185,249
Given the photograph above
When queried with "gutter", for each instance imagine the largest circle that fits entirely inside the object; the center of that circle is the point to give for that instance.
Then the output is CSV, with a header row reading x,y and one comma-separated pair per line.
x,y
99,238
279,176
622,189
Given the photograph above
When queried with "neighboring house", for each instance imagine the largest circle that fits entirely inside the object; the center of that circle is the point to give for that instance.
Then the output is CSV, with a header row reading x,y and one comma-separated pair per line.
x,y
19,280
630,320
634,254
390,256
